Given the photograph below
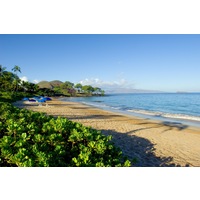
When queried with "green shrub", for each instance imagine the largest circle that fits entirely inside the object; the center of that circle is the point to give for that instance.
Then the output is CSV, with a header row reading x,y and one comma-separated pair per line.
x,y
30,139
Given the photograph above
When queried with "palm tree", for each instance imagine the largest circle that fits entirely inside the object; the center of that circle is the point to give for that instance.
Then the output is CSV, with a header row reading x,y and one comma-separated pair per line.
x,y
16,82
6,81
2,70
24,85
16,69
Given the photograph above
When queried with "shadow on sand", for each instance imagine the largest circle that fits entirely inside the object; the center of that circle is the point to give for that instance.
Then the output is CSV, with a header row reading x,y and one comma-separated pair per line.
x,y
139,148
135,147
100,116
177,125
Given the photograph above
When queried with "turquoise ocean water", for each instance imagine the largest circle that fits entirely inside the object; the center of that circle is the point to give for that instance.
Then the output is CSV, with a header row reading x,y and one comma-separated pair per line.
x,y
175,107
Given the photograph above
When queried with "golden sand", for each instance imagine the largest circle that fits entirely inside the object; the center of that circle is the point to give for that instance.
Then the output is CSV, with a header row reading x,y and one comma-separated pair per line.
x,y
153,143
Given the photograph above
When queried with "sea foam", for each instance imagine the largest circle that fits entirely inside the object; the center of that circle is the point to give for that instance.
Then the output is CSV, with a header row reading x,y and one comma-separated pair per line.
x,y
166,115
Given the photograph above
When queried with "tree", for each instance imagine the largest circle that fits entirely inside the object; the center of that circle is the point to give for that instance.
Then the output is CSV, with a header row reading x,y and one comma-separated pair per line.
x,y
69,84
29,87
24,85
78,86
2,70
88,89
16,69
17,81
97,90
6,81
67,88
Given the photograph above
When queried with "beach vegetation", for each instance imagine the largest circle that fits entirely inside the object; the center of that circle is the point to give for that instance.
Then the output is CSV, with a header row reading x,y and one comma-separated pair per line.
x,y
70,89
78,86
10,82
2,69
33,139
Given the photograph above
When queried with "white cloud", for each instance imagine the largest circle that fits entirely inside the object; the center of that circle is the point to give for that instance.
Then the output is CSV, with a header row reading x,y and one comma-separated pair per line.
x,y
95,82
36,81
24,78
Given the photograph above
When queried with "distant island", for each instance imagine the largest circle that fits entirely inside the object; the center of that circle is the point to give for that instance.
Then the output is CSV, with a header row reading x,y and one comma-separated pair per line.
x,y
181,92
126,90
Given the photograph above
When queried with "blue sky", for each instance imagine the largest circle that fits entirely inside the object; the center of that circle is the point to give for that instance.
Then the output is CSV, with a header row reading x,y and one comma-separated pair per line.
x,y
152,62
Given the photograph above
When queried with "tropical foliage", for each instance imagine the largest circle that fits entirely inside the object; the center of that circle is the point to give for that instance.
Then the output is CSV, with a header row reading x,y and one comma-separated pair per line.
x,y
10,82
68,88
32,139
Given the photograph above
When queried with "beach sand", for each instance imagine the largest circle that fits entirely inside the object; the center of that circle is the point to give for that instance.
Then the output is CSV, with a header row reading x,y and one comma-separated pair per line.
x,y
153,143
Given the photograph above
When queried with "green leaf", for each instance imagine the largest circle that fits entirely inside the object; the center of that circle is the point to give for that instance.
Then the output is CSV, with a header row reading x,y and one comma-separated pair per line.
x,y
23,135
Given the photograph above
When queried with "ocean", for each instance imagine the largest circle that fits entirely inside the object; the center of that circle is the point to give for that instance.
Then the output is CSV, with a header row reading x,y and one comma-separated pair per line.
x,y
174,107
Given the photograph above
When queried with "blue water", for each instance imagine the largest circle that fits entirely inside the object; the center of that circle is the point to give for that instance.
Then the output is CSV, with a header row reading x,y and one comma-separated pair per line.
x,y
178,106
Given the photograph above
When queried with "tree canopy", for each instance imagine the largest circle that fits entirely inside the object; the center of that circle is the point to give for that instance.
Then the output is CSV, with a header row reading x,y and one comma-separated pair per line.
x,y
10,82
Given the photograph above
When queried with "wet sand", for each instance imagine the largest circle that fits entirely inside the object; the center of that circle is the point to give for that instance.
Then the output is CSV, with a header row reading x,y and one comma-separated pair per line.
x,y
152,143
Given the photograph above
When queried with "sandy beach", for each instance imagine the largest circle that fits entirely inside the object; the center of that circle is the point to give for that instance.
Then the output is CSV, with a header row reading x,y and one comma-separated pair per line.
x,y
152,143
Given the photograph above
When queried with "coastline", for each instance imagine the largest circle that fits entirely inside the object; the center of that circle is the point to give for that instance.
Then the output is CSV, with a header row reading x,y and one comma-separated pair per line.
x,y
159,119
154,143
184,116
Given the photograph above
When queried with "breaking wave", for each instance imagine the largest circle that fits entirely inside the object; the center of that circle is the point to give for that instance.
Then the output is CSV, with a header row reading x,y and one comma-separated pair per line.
x,y
166,115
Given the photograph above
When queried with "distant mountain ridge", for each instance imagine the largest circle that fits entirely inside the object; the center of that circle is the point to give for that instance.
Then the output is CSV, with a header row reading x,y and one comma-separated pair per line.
x,y
57,83
125,90
49,84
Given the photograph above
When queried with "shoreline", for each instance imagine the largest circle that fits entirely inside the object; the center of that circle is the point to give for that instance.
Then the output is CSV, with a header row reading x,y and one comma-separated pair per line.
x,y
192,124
158,118
152,142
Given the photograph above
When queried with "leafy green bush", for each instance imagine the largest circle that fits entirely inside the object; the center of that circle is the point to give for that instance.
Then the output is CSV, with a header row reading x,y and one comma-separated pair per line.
x,y
30,139
12,97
